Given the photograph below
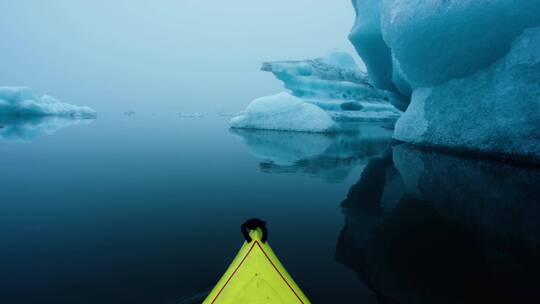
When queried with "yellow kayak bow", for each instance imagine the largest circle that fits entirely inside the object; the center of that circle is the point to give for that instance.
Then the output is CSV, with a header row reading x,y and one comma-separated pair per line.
x,y
256,275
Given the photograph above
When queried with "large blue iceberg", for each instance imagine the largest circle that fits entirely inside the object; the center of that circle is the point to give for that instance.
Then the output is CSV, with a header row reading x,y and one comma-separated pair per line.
x,y
470,68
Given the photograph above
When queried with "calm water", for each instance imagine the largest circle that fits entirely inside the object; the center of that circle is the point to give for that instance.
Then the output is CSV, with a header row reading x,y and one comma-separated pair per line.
x,y
146,208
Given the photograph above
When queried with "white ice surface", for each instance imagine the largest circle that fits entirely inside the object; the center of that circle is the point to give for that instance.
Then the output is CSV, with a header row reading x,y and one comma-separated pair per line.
x,y
286,113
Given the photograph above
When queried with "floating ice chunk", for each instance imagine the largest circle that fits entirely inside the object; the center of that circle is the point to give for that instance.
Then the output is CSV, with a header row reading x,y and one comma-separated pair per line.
x,y
326,81
284,112
14,128
190,115
21,101
494,111
333,83
228,114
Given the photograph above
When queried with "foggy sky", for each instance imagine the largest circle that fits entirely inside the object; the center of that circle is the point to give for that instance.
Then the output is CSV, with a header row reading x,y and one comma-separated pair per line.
x,y
183,55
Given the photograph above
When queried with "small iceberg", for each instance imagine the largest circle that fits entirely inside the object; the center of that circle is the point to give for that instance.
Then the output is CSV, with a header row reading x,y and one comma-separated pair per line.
x,y
328,81
323,92
228,114
335,83
24,115
190,115
23,102
284,112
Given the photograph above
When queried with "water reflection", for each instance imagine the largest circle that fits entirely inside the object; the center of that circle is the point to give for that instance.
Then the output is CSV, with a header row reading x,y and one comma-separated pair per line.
x,y
424,227
330,156
28,128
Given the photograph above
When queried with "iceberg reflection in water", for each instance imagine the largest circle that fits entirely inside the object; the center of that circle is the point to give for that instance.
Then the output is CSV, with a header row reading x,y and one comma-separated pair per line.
x,y
425,227
13,128
331,156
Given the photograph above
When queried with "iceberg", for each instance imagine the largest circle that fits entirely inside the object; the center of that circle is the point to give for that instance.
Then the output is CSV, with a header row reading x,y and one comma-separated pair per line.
x,y
332,82
435,41
471,70
495,111
24,115
228,114
322,80
284,112
190,115
323,92
22,101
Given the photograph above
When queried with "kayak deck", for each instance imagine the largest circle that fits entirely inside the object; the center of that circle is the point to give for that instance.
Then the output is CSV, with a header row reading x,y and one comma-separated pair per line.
x,y
256,276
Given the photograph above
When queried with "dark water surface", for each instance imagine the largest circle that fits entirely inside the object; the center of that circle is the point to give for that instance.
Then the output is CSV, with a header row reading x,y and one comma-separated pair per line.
x,y
146,208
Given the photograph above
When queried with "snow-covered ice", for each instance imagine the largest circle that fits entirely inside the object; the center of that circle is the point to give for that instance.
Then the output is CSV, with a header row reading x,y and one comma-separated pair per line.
x,y
22,101
286,113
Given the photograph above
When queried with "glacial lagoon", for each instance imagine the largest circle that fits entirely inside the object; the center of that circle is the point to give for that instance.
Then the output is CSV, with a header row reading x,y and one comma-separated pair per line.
x,y
146,208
